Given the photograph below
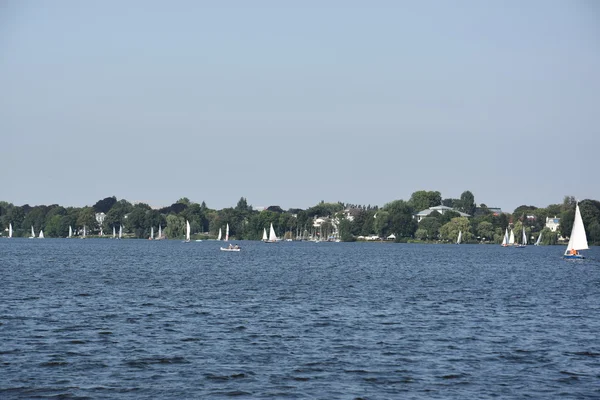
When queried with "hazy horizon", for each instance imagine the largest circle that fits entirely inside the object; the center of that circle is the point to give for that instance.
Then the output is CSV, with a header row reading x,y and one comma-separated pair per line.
x,y
291,104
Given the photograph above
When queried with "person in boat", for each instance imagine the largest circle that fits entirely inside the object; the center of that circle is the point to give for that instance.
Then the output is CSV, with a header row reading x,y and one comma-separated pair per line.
x,y
236,247
230,246
574,252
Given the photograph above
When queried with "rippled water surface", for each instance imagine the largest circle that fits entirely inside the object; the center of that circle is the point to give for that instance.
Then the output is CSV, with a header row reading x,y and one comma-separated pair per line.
x,y
136,319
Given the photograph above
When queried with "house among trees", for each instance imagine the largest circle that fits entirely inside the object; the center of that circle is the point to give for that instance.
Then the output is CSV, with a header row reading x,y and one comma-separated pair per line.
x,y
440,209
552,223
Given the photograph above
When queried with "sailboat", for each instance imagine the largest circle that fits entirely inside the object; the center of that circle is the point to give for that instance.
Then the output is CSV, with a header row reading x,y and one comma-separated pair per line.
x,y
523,240
187,231
511,238
159,233
272,236
151,233
32,233
505,239
539,239
219,237
83,237
578,239
227,233
70,232
459,237
9,230
265,237
114,233
41,236
120,231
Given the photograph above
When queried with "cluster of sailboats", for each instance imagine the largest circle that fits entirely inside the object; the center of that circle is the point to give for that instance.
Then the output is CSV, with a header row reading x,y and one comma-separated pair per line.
x,y
509,239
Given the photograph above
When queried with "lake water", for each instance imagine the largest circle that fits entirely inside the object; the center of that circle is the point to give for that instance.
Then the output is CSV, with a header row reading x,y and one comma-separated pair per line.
x,y
135,319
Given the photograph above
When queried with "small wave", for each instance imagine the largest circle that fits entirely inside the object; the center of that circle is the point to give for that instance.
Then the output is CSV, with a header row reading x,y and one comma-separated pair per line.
x,y
105,333
55,363
190,339
233,393
144,362
586,353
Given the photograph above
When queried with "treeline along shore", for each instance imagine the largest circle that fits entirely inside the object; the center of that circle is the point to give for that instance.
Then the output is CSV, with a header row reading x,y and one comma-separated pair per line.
x,y
425,217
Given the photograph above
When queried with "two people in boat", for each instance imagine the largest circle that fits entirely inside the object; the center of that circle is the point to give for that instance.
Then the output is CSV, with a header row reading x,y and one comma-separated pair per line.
x,y
233,247
573,252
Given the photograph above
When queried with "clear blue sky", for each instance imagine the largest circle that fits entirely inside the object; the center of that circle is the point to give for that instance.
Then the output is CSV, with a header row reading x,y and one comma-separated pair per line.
x,y
290,103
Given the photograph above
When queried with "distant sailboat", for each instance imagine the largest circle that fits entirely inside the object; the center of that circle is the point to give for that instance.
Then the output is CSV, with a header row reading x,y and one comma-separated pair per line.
x,y
523,240
84,232
265,237
32,233
101,232
539,239
227,233
41,236
10,230
187,231
159,232
511,238
120,231
151,233
114,233
459,237
505,239
578,239
70,232
272,236
219,237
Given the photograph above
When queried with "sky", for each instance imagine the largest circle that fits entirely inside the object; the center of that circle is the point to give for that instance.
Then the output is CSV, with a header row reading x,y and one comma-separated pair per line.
x,y
291,103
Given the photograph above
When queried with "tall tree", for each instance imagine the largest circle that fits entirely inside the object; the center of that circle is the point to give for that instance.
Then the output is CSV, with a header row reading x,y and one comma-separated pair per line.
x,y
467,203
105,204
423,199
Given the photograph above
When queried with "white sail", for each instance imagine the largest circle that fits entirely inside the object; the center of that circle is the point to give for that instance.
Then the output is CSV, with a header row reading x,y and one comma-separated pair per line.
x,y
578,239
505,240
10,230
265,237
114,233
539,239
70,231
101,232
159,232
227,233
272,235
120,231
187,230
219,237
32,232
459,237
84,232
151,232
511,238
41,234
524,240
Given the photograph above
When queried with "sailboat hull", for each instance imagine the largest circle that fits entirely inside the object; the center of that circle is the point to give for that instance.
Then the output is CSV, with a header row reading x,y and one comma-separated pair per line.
x,y
573,257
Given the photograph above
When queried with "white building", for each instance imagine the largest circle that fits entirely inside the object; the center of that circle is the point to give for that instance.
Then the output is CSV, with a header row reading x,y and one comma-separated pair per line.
x,y
552,223
100,218
441,209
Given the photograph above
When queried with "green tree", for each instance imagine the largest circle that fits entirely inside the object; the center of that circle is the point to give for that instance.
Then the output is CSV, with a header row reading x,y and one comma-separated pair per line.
x,y
105,204
431,226
467,203
87,217
485,230
450,230
175,227
423,199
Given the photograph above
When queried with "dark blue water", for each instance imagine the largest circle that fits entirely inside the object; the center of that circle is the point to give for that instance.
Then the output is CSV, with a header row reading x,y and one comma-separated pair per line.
x,y
139,319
